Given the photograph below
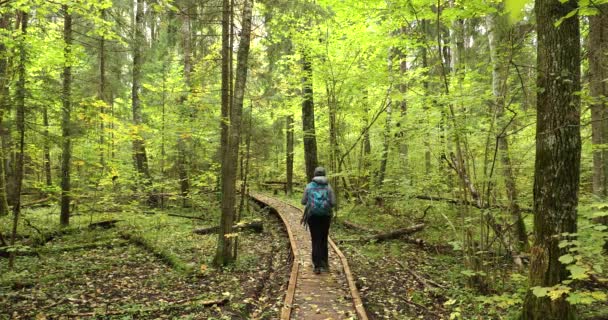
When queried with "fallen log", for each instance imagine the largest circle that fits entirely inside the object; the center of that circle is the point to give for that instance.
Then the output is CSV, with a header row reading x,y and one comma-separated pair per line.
x,y
399,233
395,234
187,217
39,202
468,203
255,226
104,224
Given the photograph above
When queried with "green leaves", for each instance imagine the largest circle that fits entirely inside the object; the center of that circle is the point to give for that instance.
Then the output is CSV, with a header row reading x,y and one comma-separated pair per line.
x,y
515,9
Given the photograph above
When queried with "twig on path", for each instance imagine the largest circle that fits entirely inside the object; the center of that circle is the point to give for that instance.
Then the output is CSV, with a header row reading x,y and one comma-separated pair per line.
x,y
53,304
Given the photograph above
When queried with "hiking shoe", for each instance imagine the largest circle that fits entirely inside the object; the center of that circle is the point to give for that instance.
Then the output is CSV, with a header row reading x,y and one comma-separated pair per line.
x,y
317,270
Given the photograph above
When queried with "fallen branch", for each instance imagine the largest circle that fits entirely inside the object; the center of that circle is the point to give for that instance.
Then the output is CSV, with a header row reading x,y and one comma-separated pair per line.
x,y
255,226
395,234
53,304
468,203
598,281
189,303
424,281
36,202
187,217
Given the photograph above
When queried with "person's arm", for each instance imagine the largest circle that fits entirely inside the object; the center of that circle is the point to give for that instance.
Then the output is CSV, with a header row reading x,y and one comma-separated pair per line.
x,y
304,200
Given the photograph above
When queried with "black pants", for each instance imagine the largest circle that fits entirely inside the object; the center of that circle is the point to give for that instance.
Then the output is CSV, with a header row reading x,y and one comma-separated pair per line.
x,y
319,231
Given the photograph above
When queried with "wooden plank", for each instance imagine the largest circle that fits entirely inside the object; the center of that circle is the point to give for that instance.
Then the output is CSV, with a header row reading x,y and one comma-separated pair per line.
x,y
293,277
357,302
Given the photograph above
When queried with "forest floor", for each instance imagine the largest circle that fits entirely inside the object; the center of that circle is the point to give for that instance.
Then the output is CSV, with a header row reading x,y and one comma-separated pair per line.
x,y
151,265
148,266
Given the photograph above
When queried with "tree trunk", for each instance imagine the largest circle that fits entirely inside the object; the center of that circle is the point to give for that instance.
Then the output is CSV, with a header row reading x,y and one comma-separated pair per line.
x,y
387,127
289,154
334,152
598,87
225,254
20,103
4,109
66,148
47,148
139,145
182,136
558,151
102,94
497,25
401,133
308,118
425,85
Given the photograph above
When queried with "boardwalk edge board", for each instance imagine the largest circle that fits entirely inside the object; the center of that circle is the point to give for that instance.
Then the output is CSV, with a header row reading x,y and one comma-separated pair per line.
x,y
286,312
293,277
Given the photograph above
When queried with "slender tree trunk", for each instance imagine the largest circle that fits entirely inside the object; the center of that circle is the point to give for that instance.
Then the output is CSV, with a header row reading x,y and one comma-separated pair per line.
x,y
289,155
66,149
139,145
102,94
308,118
425,85
598,87
47,148
182,137
20,103
497,25
225,252
4,109
387,127
244,177
558,151
401,133
332,103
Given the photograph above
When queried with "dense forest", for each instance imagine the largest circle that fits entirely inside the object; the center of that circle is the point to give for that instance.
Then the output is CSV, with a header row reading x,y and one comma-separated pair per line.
x,y
466,141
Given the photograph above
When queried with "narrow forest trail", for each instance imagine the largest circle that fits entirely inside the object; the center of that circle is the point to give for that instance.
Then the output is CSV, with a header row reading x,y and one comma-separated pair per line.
x,y
331,295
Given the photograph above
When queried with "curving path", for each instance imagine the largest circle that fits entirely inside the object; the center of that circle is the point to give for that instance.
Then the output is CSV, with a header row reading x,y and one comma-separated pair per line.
x,y
326,296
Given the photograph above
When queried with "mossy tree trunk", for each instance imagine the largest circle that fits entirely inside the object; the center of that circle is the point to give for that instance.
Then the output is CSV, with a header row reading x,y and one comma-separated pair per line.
x,y
558,151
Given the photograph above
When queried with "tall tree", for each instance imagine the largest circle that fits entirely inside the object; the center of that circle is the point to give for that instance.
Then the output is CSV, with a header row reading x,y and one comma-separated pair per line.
x,y
184,182
497,25
308,117
4,109
388,123
102,95
558,151
20,103
598,87
225,251
66,98
289,153
139,145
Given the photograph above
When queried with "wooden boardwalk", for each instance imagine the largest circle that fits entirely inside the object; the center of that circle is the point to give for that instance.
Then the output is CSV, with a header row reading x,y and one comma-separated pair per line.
x,y
331,295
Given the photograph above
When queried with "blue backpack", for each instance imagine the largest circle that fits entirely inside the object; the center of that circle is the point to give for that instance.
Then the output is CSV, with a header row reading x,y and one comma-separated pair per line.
x,y
318,200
